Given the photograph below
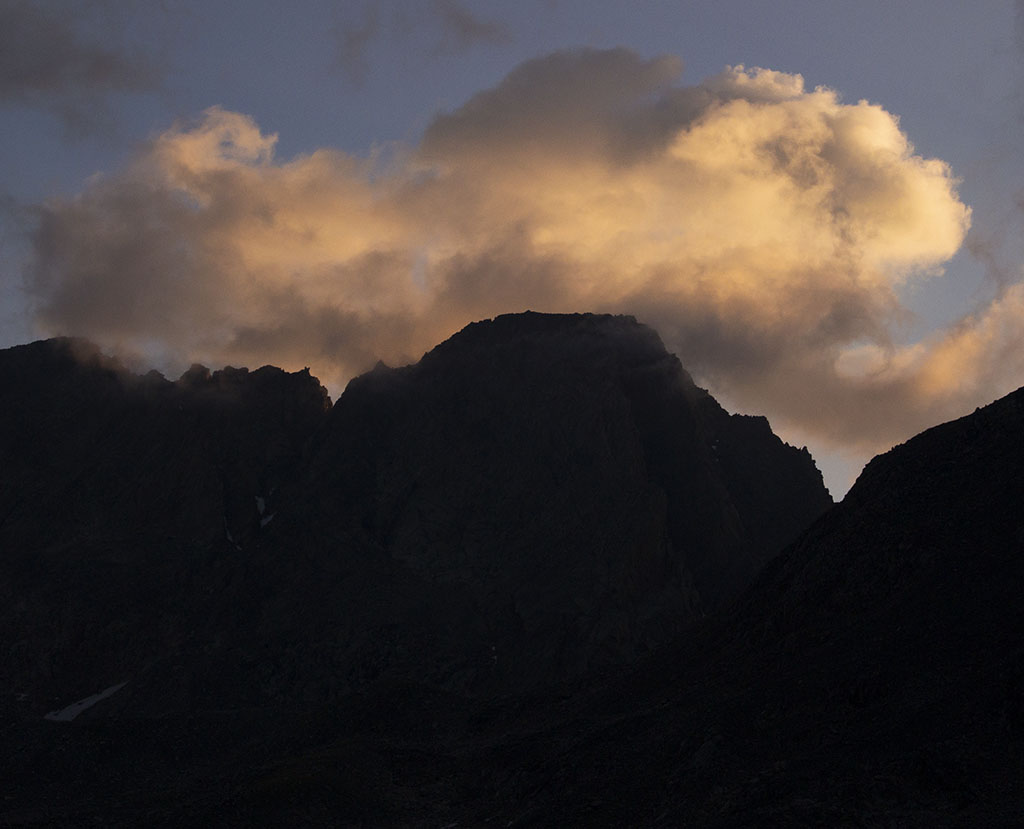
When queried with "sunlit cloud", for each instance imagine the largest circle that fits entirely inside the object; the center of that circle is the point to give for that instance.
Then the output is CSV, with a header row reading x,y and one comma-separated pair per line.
x,y
765,229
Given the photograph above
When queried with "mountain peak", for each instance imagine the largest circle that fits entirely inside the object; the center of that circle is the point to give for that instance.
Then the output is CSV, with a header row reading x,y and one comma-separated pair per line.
x,y
563,336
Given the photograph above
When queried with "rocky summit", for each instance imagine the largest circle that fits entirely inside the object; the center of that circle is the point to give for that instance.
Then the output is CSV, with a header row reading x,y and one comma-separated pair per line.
x,y
551,494
537,578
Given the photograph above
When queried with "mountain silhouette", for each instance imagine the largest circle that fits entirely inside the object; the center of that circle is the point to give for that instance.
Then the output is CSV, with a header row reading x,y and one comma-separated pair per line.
x,y
537,577
537,496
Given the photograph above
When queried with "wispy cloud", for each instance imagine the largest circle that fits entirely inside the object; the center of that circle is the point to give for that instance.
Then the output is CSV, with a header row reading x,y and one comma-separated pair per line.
x,y
462,29
764,228
441,27
1019,24
354,38
47,61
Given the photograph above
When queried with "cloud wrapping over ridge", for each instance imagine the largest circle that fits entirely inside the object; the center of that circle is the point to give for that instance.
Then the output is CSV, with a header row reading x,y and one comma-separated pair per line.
x,y
763,228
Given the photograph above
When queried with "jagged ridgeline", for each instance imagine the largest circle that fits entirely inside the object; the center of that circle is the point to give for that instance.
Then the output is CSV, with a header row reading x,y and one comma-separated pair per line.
x,y
539,496
504,585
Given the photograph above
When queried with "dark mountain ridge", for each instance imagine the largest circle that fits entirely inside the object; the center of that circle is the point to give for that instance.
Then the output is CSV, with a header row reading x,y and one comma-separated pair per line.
x,y
505,585
539,495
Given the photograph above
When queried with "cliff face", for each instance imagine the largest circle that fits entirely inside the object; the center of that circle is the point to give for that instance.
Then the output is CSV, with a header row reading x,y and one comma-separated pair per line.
x,y
566,478
538,496
124,504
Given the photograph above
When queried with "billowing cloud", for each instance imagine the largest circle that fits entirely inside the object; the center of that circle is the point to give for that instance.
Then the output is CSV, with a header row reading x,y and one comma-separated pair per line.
x,y
764,228
47,61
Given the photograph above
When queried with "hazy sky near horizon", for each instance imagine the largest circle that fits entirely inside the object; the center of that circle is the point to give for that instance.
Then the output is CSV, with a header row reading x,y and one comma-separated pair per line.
x,y
817,204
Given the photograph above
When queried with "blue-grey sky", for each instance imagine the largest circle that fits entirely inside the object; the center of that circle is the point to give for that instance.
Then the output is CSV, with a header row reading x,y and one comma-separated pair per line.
x,y
426,150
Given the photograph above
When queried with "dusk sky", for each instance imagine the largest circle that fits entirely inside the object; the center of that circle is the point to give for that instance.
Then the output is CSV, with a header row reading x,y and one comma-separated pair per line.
x,y
816,204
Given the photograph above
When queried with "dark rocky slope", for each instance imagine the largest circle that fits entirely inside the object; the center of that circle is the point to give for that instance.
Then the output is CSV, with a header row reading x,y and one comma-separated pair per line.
x,y
873,674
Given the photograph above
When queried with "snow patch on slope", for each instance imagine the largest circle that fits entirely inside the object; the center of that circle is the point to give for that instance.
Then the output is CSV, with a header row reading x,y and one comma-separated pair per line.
x,y
76,708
